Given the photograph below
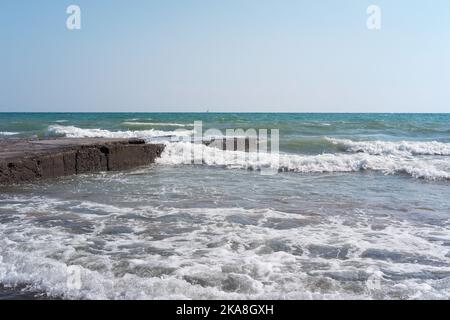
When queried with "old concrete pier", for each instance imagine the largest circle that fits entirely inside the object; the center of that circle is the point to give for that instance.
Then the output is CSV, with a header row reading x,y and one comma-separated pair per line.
x,y
28,160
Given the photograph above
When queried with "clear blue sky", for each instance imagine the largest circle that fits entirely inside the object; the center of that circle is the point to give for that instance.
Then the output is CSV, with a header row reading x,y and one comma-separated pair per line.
x,y
227,55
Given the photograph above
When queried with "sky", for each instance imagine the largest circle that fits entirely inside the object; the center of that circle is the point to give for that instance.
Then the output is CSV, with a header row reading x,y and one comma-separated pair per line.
x,y
225,56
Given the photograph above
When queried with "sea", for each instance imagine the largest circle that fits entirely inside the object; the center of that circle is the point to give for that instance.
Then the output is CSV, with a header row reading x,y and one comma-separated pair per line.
x,y
358,207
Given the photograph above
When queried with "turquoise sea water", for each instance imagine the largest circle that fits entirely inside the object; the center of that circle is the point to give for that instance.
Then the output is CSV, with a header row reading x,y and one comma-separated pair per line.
x,y
387,126
359,209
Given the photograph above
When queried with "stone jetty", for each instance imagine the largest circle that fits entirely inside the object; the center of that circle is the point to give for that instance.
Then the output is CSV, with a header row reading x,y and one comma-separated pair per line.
x,y
28,160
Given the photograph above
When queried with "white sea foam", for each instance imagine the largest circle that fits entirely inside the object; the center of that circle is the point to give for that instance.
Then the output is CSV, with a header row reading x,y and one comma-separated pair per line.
x,y
75,132
8,133
403,148
221,257
182,153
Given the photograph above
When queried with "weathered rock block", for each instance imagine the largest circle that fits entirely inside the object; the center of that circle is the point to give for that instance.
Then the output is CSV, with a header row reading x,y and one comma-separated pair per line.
x,y
22,160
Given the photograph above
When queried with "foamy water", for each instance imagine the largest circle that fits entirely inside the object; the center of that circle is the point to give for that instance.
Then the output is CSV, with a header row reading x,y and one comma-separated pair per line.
x,y
401,148
185,153
353,212
75,132
388,157
158,234
6,133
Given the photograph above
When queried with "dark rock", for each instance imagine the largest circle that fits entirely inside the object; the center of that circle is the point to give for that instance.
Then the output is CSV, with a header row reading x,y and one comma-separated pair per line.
x,y
27,160
136,141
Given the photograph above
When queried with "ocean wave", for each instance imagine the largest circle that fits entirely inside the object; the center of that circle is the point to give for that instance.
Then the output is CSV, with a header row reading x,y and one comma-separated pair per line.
x,y
75,132
7,133
402,148
184,153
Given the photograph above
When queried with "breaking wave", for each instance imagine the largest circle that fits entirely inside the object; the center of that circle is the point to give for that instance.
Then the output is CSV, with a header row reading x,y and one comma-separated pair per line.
x,y
403,148
185,153
75,132
7,133
387,157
